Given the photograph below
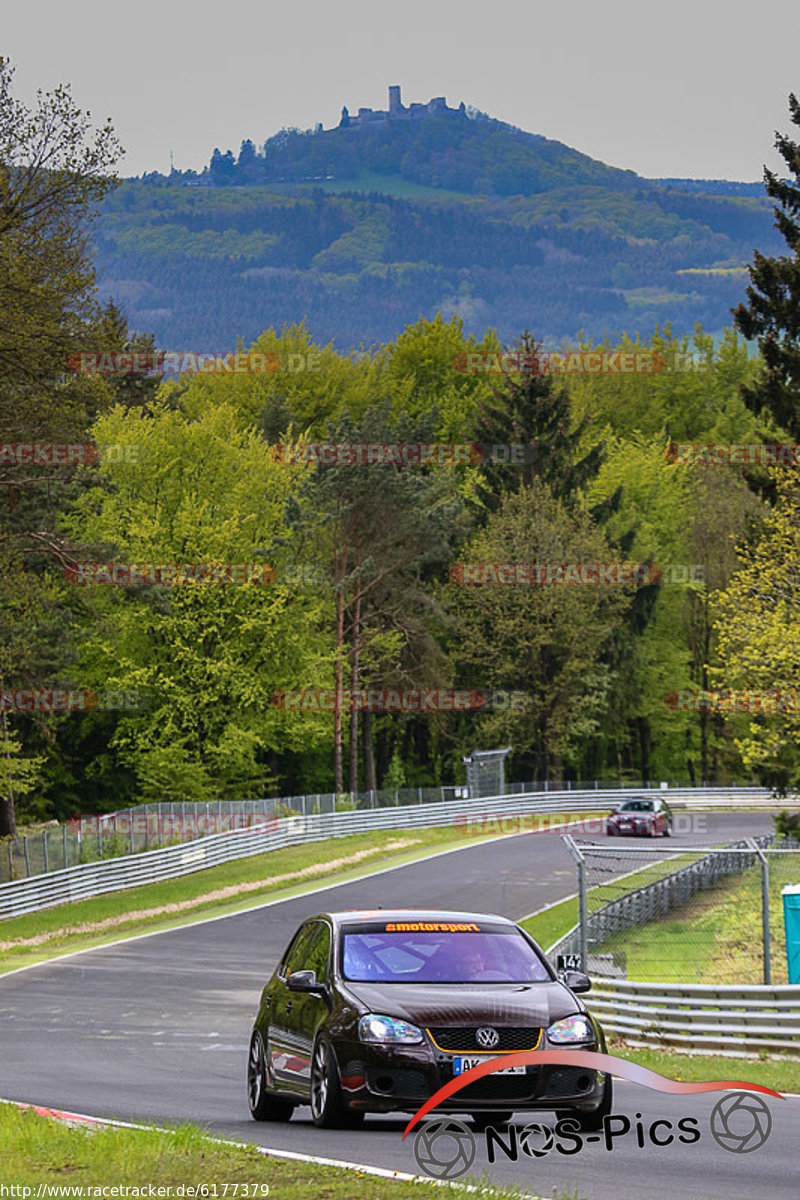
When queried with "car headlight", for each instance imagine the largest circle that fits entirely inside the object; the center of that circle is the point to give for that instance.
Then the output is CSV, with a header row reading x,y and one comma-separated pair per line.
x,y
376,1028
576,1028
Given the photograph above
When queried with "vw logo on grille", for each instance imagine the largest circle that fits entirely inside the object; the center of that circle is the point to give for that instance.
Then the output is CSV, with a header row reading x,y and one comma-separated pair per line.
x,y
487,1038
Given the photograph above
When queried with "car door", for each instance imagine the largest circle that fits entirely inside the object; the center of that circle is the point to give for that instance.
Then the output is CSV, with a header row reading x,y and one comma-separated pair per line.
x,y
288,1066
310,1010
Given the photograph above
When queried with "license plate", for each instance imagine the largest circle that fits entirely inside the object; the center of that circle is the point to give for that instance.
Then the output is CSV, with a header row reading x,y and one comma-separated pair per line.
x,y
460,1065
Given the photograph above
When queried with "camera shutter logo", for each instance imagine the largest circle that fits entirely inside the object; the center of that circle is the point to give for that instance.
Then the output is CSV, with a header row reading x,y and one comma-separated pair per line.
x,y
487,1038
445,1148
740,1122
536,1140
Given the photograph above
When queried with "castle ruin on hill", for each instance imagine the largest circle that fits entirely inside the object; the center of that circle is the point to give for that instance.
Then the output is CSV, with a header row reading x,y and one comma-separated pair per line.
x,y
397,111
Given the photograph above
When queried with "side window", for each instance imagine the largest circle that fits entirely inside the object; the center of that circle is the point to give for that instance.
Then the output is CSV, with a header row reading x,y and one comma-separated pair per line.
x,y
319,952
294,958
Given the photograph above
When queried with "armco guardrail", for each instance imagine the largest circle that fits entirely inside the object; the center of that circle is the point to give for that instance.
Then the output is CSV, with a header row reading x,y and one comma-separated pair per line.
x,y
75,883
703,1017
94,836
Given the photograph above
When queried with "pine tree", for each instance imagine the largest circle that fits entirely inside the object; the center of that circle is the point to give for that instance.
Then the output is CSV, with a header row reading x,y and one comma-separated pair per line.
x,y
772,313
533,412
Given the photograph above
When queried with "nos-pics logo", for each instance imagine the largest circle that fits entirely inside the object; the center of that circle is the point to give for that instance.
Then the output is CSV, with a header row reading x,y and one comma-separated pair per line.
x,y
445,1148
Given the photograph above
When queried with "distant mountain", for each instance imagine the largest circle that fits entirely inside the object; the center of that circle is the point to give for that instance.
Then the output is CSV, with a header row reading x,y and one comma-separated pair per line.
x,y
392,215
457,150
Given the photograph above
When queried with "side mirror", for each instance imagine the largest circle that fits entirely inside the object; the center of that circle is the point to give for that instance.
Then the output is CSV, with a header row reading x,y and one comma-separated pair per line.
x,y
577,981
305,981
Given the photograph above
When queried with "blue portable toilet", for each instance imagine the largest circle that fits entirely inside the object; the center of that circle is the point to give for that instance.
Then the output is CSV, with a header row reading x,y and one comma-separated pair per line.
x,y
791,921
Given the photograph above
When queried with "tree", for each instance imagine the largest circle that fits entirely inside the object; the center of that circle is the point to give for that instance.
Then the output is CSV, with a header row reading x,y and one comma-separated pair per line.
x,y
54,169
772,314
544,641
53,172
208,659
758,626
389,529
530,410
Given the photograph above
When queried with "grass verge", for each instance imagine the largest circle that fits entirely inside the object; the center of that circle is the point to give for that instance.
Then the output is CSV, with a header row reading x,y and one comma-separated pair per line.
x,y
39,1151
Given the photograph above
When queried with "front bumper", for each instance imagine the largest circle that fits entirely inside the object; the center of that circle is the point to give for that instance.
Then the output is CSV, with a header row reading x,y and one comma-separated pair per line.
x,y
634,829
401,1079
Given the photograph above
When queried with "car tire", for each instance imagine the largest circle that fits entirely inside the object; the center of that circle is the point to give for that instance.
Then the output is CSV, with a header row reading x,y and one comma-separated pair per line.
x,y
667,830
328,1108
590,1122
610,831
482,1120
263,1106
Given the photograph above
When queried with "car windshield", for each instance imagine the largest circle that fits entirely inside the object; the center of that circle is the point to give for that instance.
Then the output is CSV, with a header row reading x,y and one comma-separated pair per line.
x,y
441,957
637,806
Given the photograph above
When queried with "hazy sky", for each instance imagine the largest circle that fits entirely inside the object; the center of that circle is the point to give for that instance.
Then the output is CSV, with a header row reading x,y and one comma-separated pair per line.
x,y
686,88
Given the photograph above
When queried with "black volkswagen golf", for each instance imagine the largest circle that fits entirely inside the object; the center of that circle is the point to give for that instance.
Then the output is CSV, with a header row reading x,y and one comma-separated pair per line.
x,y
375,1011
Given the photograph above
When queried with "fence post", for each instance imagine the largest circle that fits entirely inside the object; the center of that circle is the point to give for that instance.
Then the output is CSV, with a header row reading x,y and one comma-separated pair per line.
x,y
10,859
577,854
44,848
27,859
765,932
66,855
582,913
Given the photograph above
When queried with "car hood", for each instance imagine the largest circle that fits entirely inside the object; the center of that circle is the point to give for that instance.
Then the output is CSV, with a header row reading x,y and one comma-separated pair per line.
x,y
537,1004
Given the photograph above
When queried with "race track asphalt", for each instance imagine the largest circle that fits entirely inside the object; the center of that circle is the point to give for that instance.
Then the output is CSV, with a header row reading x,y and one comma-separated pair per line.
x,y
156,1029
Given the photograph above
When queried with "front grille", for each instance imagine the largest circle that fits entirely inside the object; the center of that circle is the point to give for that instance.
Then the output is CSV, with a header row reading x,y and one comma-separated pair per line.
x,y
499,1087
460,1039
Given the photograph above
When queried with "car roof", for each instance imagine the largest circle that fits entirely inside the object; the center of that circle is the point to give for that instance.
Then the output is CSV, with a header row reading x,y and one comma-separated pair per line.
x,y
353,916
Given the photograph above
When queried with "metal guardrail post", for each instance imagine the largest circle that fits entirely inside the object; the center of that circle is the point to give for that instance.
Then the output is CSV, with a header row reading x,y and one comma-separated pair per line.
x,y
44,851
27,859
66,851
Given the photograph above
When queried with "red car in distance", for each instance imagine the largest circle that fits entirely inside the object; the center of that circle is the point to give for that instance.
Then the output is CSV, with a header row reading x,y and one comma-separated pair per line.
x,y
643,816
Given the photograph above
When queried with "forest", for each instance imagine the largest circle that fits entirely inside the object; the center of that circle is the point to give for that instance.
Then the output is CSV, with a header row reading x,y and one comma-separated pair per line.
x,y
183,556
